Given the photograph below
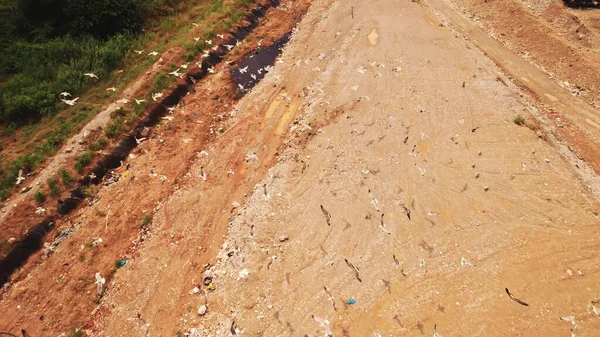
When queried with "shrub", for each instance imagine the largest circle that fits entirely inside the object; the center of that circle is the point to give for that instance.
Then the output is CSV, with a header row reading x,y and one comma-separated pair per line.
x,y
83,161
146,220
53,187
40,197
519,120
113,129
98,144
67,178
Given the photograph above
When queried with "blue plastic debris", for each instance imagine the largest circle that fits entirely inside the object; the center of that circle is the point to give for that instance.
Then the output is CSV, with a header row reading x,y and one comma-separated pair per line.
x,y
351,301
121,263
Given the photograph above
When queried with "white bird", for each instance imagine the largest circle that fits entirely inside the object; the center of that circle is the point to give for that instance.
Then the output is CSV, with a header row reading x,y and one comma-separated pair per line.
x,y
214,48
397,69
228,46
208,42
139,101
64,94
230,172
157,95
153,53
113,89
162,178
176,73
20,178
259,71
91,75
197,39
171,109
241,87
40,211
185,65
123,101
92,175
139,52
70,102
238,43
243,70
259,43
220,36
211,70
100,281
139,140
205,54
361,70
253,76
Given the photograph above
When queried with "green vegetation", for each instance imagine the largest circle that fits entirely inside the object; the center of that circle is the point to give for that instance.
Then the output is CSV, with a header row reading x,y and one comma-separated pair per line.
x,y
53,187
39,196
67,178
98,144
146,220
83,161
519,120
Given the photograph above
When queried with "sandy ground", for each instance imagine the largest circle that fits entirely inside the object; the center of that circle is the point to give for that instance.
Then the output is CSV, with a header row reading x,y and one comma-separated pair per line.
x,y
379,162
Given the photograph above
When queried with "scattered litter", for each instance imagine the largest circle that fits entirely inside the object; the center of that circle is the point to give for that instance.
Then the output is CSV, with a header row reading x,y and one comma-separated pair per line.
x,y
324,323
121,263
20,178
514,298
351,301
383,227
243,274
595,309
202,310
100,281
327,215
251,156
356,274
465,262
283,238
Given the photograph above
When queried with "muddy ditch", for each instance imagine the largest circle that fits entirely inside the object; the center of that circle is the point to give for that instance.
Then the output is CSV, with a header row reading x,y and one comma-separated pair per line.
x,y
261,59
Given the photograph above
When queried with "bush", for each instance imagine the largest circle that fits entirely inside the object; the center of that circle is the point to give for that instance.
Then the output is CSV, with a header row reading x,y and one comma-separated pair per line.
x,y
519,120
146,220
82,162
113,129
40,197
98,144
53,187
67,178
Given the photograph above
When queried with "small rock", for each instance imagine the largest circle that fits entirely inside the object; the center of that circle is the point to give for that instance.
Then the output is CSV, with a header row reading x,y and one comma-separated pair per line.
x,y
486,188
202,310
86,133
283,238
12,240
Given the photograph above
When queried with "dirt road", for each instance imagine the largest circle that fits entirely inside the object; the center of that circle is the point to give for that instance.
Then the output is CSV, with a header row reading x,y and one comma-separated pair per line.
x,y
378,162
421,168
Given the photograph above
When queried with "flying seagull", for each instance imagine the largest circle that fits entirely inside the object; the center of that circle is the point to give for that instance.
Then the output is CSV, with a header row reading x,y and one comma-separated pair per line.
x,y
113,89
153,53
64,94
157,95
243,70
100,281
139,52
176,73
91,75
139,101
70,102
220,36
20,178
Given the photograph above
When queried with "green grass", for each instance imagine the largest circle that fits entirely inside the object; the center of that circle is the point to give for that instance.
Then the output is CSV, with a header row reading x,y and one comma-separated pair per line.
x,y
53,188
40,197
67,178
83,161
519,120
146,220
98,144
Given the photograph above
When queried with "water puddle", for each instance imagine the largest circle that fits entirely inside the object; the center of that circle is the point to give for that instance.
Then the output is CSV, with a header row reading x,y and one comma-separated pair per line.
x,y
32,242
254,66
